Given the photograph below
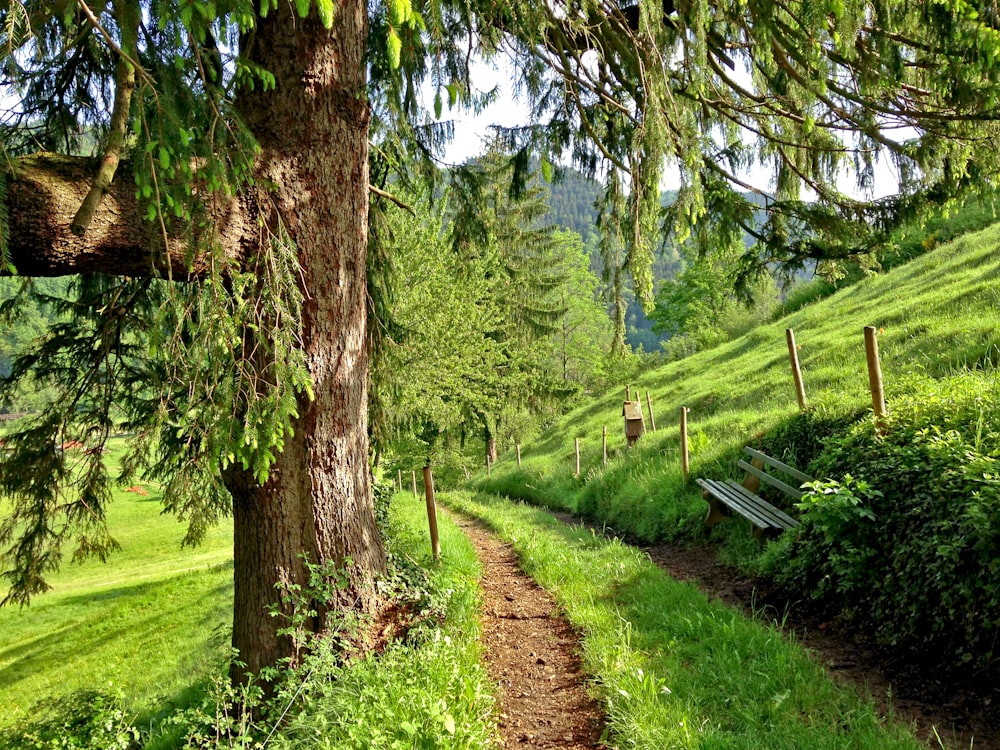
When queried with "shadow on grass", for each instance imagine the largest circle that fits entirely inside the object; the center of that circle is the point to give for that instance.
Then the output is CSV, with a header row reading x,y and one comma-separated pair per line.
x,y
127,620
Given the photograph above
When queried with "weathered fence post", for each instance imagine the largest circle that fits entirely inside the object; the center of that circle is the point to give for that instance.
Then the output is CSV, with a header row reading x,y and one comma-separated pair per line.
x,y
399,479
489,467
685,462
875,377
432,512
793,355
519,455
649,408
628,393
413,476
604,459
577,446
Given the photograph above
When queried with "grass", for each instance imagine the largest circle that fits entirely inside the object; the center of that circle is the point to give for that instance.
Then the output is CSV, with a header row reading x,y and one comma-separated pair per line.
x,y
428,690
152,627
936,316
150,623
674,669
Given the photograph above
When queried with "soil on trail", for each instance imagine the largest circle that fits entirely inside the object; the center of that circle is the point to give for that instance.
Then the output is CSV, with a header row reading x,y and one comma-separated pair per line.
x,y
531,655
962,714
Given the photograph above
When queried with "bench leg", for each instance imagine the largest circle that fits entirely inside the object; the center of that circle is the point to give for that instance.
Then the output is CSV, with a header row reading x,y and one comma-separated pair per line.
x,y
716,510
764,535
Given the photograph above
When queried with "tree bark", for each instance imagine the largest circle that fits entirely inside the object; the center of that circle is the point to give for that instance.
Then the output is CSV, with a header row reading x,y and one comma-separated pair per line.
x,y
43,194
313,132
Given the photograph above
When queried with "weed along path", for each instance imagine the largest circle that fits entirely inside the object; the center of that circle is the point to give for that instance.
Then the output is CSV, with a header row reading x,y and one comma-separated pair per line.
x,y
531,655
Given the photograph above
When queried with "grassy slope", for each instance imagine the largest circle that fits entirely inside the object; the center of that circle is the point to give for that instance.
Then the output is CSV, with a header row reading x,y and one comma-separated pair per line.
x,y
936,315
149,622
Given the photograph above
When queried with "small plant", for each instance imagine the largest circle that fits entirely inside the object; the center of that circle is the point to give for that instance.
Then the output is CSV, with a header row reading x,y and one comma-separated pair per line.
x,y
84,720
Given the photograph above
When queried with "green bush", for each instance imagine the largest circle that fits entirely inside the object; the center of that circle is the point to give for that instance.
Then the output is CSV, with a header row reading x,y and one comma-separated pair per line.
x,y
84,720
905,529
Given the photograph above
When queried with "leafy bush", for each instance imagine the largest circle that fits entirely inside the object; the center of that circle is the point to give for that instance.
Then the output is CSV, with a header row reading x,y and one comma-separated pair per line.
x,y
909,534
84,720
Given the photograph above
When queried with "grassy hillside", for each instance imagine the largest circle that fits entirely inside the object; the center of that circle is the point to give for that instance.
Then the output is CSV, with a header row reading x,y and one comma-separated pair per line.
x,y
935,472
937,316
148,624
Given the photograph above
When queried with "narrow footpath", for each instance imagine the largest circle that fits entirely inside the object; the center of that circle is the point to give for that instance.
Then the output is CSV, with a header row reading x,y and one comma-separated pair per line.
x,y
531,654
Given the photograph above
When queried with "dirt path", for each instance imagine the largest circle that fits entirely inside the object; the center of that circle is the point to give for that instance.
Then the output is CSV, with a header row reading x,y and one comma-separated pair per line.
x,y
531,654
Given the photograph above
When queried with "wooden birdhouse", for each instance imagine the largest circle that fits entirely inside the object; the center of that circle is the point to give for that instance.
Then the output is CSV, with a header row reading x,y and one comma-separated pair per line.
x,y
635,425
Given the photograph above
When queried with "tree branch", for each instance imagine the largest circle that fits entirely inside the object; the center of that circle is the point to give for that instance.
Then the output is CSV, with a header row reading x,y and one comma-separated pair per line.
x,y
125,74
43,193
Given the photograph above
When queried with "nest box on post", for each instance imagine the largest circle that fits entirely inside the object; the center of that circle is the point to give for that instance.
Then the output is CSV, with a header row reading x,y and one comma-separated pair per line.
x,y
634,423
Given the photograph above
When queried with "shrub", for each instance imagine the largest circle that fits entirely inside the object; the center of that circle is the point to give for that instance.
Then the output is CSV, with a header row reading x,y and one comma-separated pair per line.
x,y
84,720
909,533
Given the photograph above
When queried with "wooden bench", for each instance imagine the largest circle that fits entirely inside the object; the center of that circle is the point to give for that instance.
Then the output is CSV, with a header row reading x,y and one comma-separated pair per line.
x,y
744,498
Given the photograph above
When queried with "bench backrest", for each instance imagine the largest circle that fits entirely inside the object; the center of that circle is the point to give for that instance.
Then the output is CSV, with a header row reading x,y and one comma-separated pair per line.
x,y
758,471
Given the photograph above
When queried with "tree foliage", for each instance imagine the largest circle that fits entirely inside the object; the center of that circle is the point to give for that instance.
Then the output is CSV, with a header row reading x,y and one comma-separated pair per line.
x,y
496,314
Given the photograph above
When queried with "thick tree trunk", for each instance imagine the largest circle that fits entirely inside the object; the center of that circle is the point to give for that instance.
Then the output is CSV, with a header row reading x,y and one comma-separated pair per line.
x,y
313,132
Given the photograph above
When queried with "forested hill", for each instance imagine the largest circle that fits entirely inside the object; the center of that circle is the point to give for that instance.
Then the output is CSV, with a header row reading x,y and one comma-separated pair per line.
x,y
572,199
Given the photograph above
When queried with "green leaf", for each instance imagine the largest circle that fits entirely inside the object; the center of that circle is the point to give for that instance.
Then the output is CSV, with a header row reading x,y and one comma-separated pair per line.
x,y
302,6
164,157
546,167
400,12
394,45
437,104
326,13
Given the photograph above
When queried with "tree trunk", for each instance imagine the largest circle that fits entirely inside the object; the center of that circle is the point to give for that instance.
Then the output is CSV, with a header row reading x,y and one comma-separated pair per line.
x,y
491,447
313,132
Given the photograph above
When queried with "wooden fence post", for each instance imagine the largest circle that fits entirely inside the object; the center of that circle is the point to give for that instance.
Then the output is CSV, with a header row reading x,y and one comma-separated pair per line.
x,y
685,462
489,466
577,445
399,479
432,512
628,393
604,460
875,377
519,455
413,476
649,408
793,355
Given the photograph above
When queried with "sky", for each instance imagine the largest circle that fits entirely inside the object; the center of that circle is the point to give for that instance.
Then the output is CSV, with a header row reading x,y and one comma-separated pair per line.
x,y
472,131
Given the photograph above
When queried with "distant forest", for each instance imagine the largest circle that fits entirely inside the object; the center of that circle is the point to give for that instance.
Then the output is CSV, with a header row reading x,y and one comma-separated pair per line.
x,y
572,197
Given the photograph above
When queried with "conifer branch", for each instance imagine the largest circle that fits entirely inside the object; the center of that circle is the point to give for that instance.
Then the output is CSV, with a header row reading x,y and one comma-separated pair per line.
x,y
125,79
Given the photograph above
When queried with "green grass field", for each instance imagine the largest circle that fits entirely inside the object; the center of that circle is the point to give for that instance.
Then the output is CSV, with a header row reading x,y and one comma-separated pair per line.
x,y
151,622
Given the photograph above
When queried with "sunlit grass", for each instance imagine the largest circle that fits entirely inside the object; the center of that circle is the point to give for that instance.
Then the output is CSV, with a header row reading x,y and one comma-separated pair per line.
x,y
673,668
150,622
